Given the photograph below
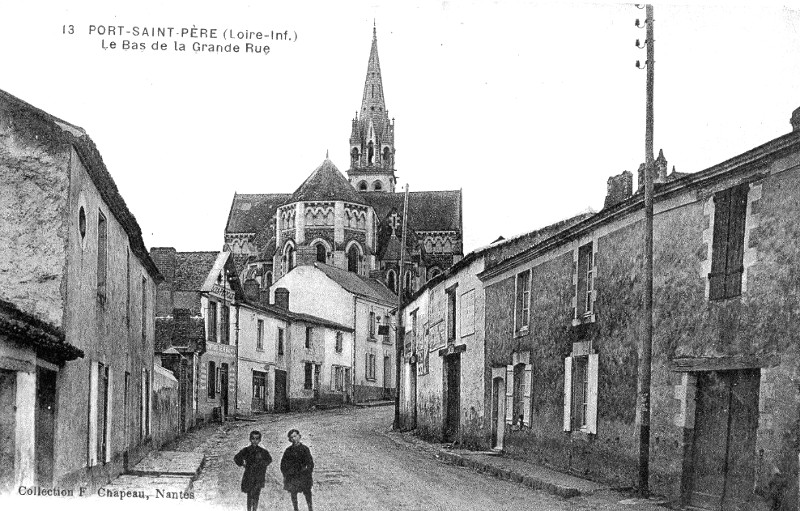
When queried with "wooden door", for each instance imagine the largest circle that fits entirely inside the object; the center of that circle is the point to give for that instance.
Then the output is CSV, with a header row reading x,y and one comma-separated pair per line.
x,y
281,401
259,391
498,413
45,425
724,439
453,397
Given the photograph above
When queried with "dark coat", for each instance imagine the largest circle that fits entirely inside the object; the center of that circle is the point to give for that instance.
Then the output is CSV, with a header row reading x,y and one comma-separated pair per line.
x,y
297,466
255,460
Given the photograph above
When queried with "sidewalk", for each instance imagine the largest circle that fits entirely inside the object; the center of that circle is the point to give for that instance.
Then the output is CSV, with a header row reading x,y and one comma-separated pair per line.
x,y
528,474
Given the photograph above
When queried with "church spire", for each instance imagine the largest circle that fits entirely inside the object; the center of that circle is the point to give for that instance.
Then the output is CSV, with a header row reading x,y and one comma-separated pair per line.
x,y
372,135
372,104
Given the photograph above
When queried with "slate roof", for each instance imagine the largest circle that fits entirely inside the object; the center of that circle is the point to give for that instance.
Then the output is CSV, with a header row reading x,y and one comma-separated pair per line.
x,y
369,288
427,211
53,131
48,340
192,268
252,212
324,184
298,316
181,334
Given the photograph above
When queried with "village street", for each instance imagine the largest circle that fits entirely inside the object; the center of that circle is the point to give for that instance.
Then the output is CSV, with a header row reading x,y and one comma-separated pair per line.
x,y
360,465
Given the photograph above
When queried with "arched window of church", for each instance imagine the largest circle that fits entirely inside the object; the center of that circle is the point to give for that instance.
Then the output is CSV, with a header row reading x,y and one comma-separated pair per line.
x,y
386,155
322,255
362,186
370,152
409,284
391,281
289,257
268,282
354,155
353,255
377,186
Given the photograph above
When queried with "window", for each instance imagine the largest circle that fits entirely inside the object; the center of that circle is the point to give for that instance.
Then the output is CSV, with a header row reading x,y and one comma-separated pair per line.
x,y
212,321
322,255
580,392
144,310
377,186
409,283
337,378
384,330
369,366
224,324
82,222
522,317
363,184
309,377
451,315
268,280
585,291
260,334
288,258
518,390
727,252
211,380
391,281
309,336
102,257
353,256
372,325
280,341
339,339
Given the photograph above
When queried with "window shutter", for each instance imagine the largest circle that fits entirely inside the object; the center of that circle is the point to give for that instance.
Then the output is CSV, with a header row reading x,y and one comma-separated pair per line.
x,y
568,394
509,394
734,263
719,254
526,395
366,366
591,402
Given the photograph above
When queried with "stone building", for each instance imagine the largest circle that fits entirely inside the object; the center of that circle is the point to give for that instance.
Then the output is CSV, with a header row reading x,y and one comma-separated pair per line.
x,y
443,383
74,266
207,285
725,353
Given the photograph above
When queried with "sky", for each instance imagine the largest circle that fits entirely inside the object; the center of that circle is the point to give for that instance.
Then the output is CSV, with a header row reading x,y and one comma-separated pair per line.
x,y
527,107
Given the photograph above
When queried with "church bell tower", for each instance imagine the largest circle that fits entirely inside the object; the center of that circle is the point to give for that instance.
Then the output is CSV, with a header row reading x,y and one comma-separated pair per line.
x,y
372,136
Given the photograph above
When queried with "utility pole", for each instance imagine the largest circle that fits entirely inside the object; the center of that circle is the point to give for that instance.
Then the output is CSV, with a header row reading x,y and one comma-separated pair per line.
x,y
646,334
401,331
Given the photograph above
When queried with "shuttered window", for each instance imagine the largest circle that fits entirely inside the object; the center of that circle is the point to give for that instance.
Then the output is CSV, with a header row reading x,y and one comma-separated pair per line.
x,y
518,394
727,253
580,393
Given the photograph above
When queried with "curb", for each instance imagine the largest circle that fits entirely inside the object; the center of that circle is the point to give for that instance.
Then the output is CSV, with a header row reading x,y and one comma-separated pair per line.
x,y
566,492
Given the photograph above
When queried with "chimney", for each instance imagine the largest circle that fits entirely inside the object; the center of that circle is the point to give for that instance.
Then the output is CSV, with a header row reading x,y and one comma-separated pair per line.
x,y
660,171
251,290
282,298
795,120
263,297
619,188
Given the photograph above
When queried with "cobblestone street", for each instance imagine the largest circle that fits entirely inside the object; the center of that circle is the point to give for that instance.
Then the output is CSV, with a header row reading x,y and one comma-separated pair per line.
x,y
360,465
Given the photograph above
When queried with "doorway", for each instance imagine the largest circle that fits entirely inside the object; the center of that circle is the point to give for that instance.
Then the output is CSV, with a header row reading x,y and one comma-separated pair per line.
x,y
46,424
223,394
281,401
452,397
726,421
498,412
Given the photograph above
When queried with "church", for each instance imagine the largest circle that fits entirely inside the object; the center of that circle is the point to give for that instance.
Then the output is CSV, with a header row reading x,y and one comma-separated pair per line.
x,y
353,223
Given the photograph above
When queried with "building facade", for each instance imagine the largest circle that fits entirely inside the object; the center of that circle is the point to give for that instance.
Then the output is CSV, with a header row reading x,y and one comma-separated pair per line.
x,y
725,361
74,259
362,305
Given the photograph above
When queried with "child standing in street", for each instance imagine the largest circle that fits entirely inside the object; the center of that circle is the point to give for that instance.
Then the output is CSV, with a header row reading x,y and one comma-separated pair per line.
x,y
255,460
297,466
